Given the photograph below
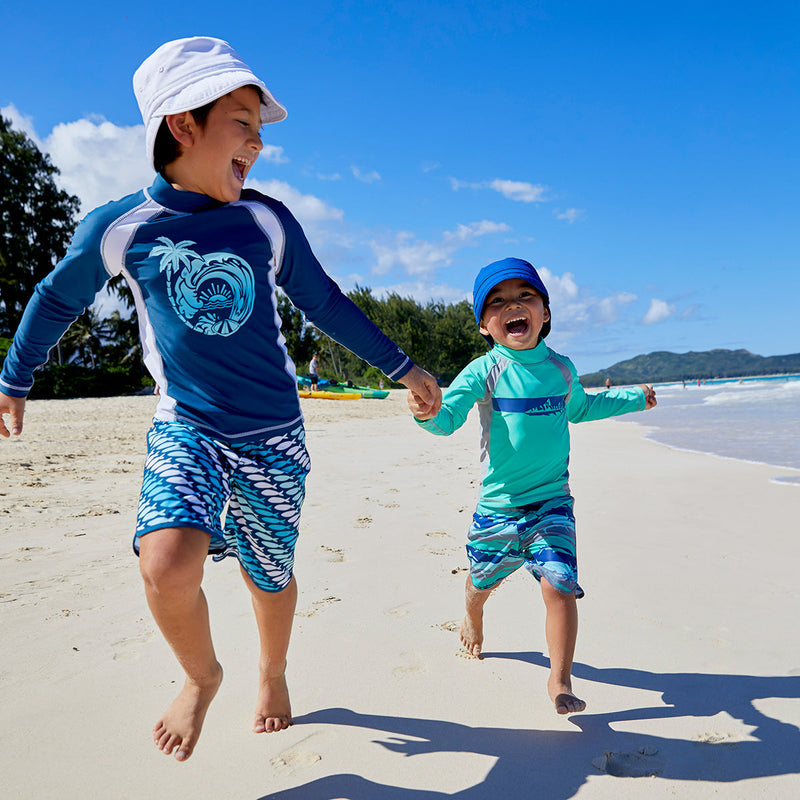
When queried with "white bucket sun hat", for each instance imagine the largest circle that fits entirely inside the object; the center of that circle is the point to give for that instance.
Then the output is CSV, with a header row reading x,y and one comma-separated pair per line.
x,y
189,73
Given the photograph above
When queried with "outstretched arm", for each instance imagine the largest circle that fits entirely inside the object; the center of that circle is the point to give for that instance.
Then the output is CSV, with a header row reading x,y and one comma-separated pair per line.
x,y
15,408
424,394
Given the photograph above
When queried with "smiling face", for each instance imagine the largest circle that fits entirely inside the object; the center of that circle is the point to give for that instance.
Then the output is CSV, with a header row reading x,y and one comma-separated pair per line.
x,y
216,156
513,314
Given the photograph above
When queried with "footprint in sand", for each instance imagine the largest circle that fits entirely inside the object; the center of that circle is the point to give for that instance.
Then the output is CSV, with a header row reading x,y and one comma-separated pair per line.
x,y
363,522
451,625
295,759
25,551
127,649
316,607
97,511
333,553
401,610
718,738
414,665
436,551
642,763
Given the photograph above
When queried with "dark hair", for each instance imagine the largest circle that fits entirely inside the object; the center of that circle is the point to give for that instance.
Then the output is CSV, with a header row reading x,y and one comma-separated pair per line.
x,y
166,148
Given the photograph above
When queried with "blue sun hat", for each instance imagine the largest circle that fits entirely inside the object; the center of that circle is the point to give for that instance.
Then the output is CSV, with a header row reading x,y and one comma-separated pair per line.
x,y
498,271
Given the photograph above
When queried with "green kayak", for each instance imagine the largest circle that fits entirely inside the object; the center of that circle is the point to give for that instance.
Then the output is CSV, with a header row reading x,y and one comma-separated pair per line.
x,y
364,391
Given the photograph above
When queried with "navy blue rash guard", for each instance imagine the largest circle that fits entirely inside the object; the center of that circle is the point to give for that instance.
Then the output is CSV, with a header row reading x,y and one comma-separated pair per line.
x,y
204,276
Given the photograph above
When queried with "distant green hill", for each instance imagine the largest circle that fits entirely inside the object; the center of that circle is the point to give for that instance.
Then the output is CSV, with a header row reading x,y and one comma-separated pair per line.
x,y
664,367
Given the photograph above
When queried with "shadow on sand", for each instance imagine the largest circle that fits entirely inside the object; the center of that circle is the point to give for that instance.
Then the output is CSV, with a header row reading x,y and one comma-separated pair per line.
x,y
555,764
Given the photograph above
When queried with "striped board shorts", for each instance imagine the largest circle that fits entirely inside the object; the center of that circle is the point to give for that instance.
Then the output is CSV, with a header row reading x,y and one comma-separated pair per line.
x,y
247,497
539,535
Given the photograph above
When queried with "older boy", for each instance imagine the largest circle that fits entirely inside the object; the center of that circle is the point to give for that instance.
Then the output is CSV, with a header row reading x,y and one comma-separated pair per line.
x,y
526,394
226,463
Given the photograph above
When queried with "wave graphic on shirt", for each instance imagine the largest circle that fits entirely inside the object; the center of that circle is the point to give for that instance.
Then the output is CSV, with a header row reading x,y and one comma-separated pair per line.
x,y
213,294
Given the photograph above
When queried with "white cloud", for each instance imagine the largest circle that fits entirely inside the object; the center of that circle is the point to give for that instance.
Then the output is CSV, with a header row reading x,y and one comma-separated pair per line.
x,y
519,191
575,310
20,122
99,161
421,291
333,176
273,154
308,209
569,214
466,233
419,257
365,177
607,310
659,311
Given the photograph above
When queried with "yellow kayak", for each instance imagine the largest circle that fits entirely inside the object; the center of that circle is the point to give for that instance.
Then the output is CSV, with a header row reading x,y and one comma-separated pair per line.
x,y
330,395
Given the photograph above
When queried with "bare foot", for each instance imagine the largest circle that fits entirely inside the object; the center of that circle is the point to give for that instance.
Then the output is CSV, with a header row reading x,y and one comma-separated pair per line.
x,y
273,709
471,633
564,700
181,723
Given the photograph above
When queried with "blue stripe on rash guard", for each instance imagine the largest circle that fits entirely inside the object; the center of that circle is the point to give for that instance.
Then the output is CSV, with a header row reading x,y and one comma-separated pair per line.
x,y
525,398
529,405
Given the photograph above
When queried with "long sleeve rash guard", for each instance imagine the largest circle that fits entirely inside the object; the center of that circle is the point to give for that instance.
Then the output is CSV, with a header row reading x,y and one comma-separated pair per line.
x,y
204,276
525,400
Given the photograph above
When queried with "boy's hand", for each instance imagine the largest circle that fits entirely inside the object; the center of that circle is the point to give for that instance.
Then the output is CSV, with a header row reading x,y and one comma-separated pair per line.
x,y
649,396
15,408
424,396
418,409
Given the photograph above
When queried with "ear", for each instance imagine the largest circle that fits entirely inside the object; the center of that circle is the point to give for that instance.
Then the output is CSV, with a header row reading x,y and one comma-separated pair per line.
x,y
183,127
482,328
546,314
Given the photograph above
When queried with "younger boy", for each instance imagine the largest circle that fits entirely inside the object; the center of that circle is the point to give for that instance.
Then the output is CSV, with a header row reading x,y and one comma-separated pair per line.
x,y
226,463
526,394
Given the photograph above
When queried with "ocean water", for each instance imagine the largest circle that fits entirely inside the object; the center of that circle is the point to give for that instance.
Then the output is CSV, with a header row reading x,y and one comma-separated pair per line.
x,y
755,419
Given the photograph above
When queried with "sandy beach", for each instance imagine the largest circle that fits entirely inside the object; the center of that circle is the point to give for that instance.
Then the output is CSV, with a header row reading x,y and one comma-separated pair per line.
x,y
688,655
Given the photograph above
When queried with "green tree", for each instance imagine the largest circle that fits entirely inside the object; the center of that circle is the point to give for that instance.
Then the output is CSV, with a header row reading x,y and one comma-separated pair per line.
x,y
123,346
37,220
440,338
302,339
83,341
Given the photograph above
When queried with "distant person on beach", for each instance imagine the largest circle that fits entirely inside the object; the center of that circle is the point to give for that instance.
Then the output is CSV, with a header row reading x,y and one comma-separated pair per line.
x,y
608,383
526,394
313,372
226,459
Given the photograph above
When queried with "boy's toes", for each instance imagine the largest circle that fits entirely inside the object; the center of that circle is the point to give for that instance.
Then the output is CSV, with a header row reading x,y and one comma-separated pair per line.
x,y
569,704
182,754
470,649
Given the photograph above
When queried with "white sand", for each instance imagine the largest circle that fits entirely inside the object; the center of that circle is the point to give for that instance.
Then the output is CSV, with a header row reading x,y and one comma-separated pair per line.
x,y
688,653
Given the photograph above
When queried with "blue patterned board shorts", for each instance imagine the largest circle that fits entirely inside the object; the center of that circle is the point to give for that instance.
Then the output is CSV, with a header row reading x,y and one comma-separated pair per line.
x,y
540,535
247,497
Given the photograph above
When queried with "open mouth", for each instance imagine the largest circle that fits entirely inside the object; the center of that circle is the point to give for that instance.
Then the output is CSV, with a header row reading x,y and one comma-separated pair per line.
x,y
240,167
517,326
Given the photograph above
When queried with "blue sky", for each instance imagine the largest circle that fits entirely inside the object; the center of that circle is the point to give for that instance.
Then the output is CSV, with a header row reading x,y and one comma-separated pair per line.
x,y
643,155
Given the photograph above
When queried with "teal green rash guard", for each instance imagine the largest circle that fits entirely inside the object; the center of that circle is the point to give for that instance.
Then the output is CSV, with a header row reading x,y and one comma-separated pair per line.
x,y
525,399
